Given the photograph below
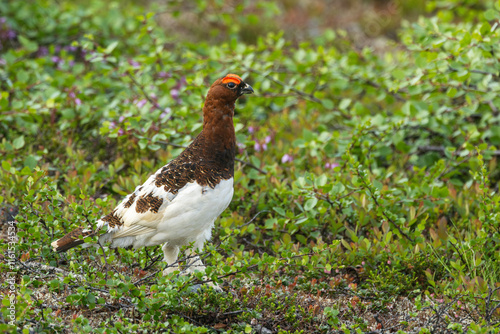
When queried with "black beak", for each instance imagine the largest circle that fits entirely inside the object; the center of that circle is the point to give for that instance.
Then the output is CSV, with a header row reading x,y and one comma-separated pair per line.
x,y
247,89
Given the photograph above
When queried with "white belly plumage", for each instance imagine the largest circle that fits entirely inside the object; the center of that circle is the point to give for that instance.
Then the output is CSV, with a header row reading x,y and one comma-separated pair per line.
x,y
182,218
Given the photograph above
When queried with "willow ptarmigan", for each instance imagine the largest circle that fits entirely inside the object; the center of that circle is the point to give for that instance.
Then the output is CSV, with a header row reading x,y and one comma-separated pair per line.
x,y
179,203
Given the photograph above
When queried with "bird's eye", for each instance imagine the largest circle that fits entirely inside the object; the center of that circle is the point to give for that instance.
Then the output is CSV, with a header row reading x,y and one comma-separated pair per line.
x,y
231,85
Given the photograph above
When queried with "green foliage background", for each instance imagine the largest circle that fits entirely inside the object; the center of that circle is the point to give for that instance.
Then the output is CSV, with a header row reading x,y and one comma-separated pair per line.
x,y
351,156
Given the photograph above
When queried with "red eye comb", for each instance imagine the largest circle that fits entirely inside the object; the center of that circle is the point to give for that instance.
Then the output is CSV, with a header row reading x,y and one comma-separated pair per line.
x,y
232,78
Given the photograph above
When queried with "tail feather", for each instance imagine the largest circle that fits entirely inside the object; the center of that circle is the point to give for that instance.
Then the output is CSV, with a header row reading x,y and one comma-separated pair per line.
x,y
72,239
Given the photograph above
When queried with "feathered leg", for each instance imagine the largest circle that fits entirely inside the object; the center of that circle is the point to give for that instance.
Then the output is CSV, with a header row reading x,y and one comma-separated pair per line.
x,y
171,252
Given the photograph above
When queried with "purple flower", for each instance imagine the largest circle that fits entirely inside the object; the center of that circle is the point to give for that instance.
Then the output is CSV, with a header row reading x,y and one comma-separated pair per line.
x,y
331,165
42,51
120,132
55,59
134,63
256,147
121,119
241,147
6,33
11,34
165,112
286,158
112,125
264,147
251,129
181,83
72,96
175,94
164,75
267,139
141,103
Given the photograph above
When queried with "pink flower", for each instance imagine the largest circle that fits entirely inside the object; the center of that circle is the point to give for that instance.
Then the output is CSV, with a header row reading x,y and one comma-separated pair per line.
x,y
134,63
72,96
175,94
286,158
56,60
331,165
241,147
141,103
164,75
165,112
389,262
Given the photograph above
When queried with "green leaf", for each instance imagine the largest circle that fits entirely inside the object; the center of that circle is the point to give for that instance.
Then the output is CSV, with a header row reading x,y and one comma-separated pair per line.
x,y
154,147
68,113
280,210
328,104
6,165
30,162
30,46
485,29
491,14
143,143
344,104
321,180
18,142
310,203
111,47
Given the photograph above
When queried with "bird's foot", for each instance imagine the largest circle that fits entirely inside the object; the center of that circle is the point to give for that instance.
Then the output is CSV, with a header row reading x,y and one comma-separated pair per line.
x,y
170,269
198,287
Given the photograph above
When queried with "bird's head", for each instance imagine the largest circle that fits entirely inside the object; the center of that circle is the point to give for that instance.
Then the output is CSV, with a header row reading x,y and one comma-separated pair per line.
x,y
218,112
229,88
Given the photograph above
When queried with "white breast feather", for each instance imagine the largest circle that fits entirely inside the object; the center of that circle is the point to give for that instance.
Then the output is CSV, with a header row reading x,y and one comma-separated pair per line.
x,y
183,217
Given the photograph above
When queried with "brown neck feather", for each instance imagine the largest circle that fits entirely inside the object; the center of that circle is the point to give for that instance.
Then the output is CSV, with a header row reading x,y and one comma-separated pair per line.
x,y
218,131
